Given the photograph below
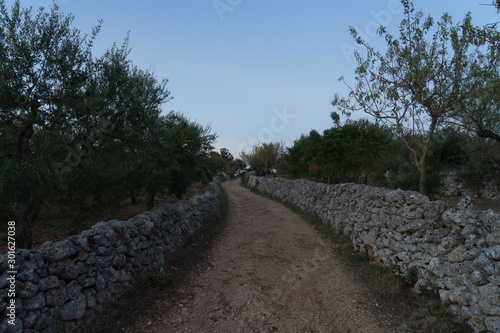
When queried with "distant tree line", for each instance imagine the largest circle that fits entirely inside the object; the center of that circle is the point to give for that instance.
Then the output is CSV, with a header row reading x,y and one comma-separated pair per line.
x,y
83,133
434,97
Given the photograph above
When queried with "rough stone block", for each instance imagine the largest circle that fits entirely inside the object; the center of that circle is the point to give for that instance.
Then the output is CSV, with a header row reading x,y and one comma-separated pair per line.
x,y
58,251
73,289
493,253
49,282
457,254
29,290
34,303
56,296
74,309
492,323
66,269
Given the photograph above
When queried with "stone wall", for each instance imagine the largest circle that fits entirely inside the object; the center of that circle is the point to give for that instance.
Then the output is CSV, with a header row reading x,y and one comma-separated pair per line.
x,y
452,251
450,187
62,286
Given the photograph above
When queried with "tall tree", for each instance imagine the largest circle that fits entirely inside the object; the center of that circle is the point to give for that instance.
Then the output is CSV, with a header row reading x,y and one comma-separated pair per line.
x,y
414,87
479,112
170,154
352,151
57,105
45,66
300,160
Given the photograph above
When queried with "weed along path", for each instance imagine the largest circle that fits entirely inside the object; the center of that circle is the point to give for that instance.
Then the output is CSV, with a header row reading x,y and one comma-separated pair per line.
x,y
269,271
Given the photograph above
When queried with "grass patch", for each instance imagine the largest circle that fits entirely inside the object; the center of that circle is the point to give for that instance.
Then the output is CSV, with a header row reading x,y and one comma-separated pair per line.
x,y
160,280
217,224
390,293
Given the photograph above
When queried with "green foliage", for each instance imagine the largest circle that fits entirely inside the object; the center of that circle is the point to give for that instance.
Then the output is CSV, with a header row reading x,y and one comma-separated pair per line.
x,y
364,152
412,274
93,187
265,158
450,148
478,169
177,146
302,155
83,132
217,164
236,167
416,85
45,71
352,152
479,113
450,151
244,179
160,280
226,154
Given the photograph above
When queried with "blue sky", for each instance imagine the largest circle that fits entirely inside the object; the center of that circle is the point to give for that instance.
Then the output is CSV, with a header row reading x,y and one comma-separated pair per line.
x,y
253,70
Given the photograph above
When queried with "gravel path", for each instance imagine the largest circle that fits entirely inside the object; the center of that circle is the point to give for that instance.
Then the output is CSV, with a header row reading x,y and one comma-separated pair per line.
x,y
269,271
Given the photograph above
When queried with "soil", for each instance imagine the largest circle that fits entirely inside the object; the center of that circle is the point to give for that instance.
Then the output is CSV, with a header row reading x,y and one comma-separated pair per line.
x,y
268,271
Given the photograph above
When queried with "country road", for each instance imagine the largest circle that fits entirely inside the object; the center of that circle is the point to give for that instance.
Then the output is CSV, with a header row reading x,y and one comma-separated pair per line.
x,y
269,271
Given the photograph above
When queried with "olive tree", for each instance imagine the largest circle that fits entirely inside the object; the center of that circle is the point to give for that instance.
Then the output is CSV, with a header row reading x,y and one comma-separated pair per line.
x,y
173,150
415,85
57,104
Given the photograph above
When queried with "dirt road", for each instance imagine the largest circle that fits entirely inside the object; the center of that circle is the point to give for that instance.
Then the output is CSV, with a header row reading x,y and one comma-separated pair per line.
x,y
269,271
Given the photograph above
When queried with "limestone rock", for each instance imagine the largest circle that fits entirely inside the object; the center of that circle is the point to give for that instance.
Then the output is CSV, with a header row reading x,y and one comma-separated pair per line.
x,y
456,250
493,253
58,251
79,277
74,309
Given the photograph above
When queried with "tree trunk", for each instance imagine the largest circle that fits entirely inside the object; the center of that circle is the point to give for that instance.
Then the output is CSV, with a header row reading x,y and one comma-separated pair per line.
x,y
330,177
27,215
423,159
24,238
133,198
423,174
150,200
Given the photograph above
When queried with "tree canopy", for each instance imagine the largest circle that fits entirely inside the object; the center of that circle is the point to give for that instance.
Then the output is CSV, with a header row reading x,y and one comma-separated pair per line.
x,y
433,93
73,125
350,152
265,157
423,79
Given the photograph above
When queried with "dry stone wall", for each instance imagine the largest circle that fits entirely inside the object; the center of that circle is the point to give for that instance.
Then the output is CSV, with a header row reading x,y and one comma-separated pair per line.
x,y
452,251
62,286
450,187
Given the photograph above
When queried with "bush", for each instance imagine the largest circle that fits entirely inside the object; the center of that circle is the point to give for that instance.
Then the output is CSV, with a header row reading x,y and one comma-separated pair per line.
x,y
244,179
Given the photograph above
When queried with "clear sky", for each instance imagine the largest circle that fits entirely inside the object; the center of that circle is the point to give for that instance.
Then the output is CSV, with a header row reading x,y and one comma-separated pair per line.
x,y
253,70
